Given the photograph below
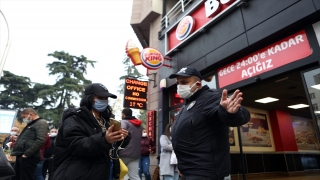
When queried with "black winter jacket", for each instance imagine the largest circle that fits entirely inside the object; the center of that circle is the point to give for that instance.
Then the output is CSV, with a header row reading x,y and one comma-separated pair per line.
x,y
81,150
49,151
200,135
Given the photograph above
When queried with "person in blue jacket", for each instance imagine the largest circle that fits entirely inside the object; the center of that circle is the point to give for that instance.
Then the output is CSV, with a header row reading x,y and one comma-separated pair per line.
x,y
200,136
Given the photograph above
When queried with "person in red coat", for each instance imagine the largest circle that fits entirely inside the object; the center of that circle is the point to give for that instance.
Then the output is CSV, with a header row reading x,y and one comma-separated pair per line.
x,y
147,147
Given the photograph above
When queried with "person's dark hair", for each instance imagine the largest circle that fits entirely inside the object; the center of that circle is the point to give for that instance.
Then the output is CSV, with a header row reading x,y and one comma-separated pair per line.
x,y
127,112
107,114
167,130
87,101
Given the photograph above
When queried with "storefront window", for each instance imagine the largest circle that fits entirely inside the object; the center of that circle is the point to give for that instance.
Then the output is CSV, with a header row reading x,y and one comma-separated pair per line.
x,y
312,79
173,114
210,81
175,99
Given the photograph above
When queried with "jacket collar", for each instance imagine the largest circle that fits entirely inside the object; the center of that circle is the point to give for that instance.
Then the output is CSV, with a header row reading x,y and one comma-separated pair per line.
x,y
33,121
195,95
86,115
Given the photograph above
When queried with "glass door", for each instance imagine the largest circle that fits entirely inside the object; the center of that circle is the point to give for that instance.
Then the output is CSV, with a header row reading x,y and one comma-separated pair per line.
x,y
312,83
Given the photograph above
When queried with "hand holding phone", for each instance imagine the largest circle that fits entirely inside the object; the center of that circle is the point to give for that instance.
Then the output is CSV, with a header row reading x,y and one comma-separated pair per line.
x,y
116,123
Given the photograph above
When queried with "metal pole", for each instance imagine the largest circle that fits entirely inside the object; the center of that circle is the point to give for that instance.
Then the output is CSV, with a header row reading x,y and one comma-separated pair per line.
x,y
182,5
241,154
4,57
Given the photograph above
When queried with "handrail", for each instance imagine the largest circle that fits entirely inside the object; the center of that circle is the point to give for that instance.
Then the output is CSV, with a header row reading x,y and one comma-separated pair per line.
x,y
174,11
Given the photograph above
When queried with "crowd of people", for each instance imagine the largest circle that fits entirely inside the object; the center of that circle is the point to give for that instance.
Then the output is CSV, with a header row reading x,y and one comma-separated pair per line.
x,y
88,146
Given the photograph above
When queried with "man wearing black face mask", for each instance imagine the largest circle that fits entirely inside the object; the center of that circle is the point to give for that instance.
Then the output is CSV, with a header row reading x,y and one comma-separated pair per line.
x,y
200,131
84,143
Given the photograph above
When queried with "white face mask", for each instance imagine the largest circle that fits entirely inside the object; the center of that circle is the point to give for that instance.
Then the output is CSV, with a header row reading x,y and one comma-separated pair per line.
x,y
144,134
26,120
53,134
184,91
12,133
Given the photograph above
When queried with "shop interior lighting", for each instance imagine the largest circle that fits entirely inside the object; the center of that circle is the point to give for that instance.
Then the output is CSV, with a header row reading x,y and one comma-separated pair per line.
x,y
298,106
317,112
316,86
279,80
266,100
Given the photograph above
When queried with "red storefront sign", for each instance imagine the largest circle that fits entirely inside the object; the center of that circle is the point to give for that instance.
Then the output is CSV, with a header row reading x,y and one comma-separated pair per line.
x,y
205,13
290,49
150,124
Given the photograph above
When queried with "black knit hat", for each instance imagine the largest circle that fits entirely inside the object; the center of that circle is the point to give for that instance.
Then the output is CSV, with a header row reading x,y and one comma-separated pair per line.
x,y
99,90
186,71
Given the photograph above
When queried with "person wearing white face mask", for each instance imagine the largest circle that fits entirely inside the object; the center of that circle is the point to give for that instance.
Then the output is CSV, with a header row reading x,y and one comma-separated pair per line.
x,y
48,156
11,138
147,147
200,136
27,148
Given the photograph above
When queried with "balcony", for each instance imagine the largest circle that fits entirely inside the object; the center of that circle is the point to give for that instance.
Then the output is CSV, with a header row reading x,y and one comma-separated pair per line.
x,y
144,12
173,14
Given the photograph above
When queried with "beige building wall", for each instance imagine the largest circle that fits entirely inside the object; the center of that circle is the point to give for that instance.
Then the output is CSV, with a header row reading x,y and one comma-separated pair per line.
x,y
142,11
136,12
153,93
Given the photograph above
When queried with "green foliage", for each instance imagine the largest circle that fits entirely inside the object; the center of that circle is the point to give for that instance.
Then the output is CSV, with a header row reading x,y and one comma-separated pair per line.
x,y
70,82
130,72
143,116
18,92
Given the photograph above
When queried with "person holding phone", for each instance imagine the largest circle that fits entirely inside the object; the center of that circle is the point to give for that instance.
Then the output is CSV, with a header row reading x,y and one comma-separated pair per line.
x,y
84,142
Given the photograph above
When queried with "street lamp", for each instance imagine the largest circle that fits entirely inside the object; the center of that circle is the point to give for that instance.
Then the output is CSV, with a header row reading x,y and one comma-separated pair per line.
x,y
4,57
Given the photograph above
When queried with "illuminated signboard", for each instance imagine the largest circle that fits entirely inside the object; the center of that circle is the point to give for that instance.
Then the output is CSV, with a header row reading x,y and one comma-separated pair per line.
x,y
151,125
135,94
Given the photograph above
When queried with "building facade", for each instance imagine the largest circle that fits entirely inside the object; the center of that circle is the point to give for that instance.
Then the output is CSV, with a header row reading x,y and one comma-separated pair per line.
x,y
267,49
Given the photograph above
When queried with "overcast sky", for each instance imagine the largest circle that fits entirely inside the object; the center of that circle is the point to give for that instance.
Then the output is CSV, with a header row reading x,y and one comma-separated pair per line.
x,y
97,29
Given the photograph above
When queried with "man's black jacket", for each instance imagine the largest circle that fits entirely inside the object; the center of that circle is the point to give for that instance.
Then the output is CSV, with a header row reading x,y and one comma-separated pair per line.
x,y
200,134
81,151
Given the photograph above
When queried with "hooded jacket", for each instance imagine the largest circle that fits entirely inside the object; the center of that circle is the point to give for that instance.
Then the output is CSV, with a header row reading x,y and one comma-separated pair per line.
x,y
200,135
133,125
81,150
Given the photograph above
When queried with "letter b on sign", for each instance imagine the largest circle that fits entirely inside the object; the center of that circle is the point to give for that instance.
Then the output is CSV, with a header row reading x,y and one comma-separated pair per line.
x,y
212,7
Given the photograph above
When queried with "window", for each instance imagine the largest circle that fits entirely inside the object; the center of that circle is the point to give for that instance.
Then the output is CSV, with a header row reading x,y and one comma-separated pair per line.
x,y
312,96
315,107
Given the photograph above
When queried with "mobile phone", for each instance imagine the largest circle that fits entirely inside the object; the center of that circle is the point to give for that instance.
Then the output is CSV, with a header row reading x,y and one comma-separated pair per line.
x,y
117,124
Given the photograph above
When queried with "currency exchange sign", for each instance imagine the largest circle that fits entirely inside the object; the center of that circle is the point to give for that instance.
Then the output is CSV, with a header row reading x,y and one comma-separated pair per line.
x,y
135,94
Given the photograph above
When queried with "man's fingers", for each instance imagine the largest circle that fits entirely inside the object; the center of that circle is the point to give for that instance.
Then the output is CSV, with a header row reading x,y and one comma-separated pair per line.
x,y
224,95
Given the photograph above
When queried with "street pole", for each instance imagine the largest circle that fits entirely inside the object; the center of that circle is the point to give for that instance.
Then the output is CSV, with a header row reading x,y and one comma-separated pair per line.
x,y
4,56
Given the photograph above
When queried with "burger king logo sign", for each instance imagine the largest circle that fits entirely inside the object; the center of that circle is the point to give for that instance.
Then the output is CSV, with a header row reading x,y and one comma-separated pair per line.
x,y
151,58
185,27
